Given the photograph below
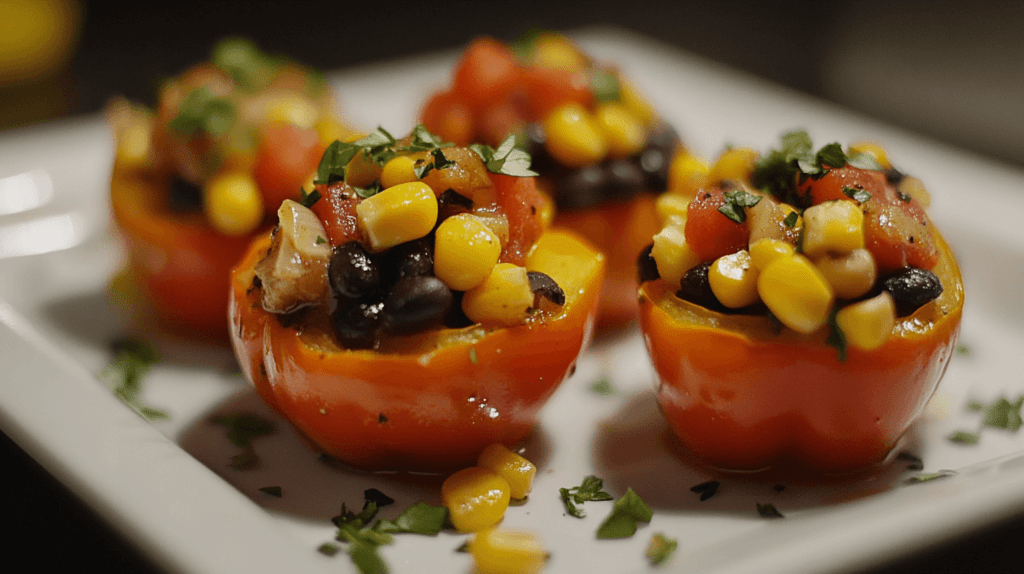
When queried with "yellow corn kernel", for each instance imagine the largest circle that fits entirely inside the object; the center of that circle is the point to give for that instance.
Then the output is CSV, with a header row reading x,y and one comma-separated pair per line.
x,y
310,184
133,142
399,169
397,214
624,133
636,103
233,203
465,251
796,293
764,251
476,498
293,109
516,470
687,173
874,150
362,171
507,552
669,204
504,298
915,188
867,324
331,129
553,50
733,280
573,136
735,163
836,226
850,274
672,255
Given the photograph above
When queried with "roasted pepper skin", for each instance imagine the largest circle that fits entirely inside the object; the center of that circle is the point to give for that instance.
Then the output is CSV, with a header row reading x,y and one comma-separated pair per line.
x,y
178,261
436,404
741,396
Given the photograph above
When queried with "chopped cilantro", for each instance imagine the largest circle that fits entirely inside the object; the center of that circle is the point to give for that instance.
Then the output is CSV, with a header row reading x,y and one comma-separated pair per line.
x,y
603,386
605,84
320,240
243,61
962,349
768,510
589,490
309,199
243,427
929,476
328,549
370,190
856,193
506,160
864,160
377,497
627,512
836,337
964,437
735,201
661,548
423,140
464,547
903,197
201,110
272,490
1003,414
133,358
975,406
420,518
366,557
706,489
791,219
524,45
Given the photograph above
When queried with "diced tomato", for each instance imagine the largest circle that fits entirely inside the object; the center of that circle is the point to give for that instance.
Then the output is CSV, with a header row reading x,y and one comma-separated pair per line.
x,y
487,71
709,232
549,88
503,118
337,211
287,155
448,117
519,199
830,186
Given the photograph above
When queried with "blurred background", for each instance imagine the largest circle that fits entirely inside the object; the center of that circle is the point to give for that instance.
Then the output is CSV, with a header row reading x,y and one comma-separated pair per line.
x,y
952,71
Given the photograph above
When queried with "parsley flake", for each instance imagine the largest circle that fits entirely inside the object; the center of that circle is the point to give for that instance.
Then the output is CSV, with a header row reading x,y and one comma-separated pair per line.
x,y
661,548
309,199
735,201
506,160
423,140
603,386
963,350
420,518
791,219
133,358
856,193
589,490
626,515
1004,415
929,476
328,549
605,84
203,111
836,337
768,510
706,489
964,437
243,427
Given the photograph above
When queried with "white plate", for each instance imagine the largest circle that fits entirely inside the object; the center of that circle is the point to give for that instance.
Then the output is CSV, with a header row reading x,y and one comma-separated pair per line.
x,y
168,487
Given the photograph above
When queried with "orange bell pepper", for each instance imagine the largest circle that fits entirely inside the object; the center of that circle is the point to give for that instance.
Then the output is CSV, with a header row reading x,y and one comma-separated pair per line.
x,y
434,400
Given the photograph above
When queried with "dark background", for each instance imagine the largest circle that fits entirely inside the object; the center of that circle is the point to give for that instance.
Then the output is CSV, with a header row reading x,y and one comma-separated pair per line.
x,y
127,51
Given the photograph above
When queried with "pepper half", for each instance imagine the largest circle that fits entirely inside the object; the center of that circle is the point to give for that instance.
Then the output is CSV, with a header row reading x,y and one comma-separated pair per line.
x,y
440,400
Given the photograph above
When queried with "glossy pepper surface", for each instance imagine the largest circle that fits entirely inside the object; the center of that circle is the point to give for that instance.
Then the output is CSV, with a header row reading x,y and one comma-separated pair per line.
x,y
439,400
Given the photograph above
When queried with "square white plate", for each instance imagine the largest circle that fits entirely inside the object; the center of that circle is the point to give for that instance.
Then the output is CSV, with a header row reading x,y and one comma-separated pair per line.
x,y
168,485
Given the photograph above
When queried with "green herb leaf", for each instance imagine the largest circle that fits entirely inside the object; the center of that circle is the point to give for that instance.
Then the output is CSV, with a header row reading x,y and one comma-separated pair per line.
x,y
243,427
524,45
831,155
423,140
836,337
133,358
272,490
1004,415
603,386
377,497
334,161
706,489
735,201
929,476
768,510
964,437
864,160
420,518
605,84
506,160
589,490
625,516
201,110
791,219
369,191
856,193
963,350
366,558
903,197
975,406
661,548
328,549
244,62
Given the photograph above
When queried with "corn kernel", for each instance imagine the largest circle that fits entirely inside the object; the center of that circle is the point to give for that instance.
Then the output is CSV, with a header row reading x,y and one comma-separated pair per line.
x,y
293,109
133,142
913,187
399,169
736,163
504,298
465,251
874,150
331,129
556,51
733,280
764,251
672,255
867,324
362,171
796,293
635,103
397,214
669,204
233,203
573,136
768,221
624,133
850,274
836,226
476,498
515,469
687,173
507,552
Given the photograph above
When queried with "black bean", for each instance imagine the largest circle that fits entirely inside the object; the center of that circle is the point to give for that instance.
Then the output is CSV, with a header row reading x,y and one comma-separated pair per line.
x,y
356,322
416,303
456,317
544,286
625,178
655,164
646,267
452,203
582,188
184,197
911,288
410,259
696,288
533,142
353,272
894,176
664,137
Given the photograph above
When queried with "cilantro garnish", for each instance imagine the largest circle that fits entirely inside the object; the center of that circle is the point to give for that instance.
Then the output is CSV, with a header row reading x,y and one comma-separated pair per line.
x,y
903,197
661,548
423,140
706,489
605,84
328,549
627,513
464,547
506,160
243,61
420,518
1003,414
856,193
963,350
378,147
242,429
791,219
929,476
836,337
735,201
309,199
133,359
440,162
201,110
603,386
768,510
975,406
964,437
590,489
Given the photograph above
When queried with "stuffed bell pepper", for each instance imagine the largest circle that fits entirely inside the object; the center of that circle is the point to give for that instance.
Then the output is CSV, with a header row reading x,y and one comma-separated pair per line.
x,y
601,150
198,177
414,307
803,314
